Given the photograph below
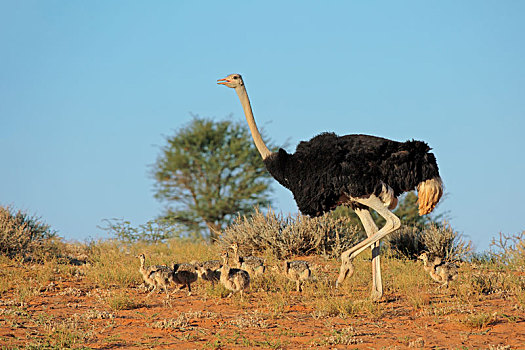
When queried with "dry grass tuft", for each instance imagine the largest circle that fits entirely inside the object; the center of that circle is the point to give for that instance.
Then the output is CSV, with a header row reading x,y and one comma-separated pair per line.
x,y
249,320
122,301
345,336
63,333
182,322
480,319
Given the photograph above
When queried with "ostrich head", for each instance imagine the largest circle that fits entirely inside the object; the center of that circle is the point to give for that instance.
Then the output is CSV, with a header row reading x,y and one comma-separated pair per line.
x,y
424,257
224,257
142,258
430,259
232,81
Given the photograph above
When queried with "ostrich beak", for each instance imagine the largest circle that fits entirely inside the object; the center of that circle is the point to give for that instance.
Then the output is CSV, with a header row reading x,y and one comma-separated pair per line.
x,y
223,81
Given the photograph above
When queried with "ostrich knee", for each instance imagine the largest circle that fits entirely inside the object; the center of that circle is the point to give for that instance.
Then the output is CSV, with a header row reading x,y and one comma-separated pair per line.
x,y
394,223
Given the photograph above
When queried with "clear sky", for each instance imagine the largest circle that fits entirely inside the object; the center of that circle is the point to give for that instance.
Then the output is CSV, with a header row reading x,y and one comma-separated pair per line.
x,y
90,89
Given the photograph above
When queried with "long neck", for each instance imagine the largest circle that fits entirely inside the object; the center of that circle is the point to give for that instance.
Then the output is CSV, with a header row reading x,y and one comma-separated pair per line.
x,y
225,271
256,135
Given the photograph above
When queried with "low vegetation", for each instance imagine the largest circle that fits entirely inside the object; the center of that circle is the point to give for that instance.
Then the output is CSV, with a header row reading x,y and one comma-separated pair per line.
x,y
25,236
438,239
287,236
98,287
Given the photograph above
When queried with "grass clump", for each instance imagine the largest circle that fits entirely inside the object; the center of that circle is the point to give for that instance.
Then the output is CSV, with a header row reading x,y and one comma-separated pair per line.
x,y
121,301
62,334
111,264
182,322
480,319
332,307
345,336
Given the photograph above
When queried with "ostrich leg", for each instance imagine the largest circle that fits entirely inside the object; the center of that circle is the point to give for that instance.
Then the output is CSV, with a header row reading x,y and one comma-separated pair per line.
x,y
347,268
392,224
371,229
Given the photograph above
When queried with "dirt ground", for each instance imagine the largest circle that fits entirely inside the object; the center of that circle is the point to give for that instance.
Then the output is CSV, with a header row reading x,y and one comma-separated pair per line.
x,y
72,313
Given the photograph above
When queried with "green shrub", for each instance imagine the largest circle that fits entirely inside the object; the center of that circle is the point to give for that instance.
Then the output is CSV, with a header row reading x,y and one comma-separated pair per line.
x,y
284,237
24,235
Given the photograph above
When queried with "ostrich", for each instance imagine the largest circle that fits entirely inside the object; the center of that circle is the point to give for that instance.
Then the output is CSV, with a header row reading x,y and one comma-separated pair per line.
x,y
438,270
209,270
184,275
296,271
253,264
155,275
361,171
235,280
162,277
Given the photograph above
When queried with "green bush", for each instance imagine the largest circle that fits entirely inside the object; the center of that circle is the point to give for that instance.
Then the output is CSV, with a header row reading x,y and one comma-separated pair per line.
x,y
284,237
22,235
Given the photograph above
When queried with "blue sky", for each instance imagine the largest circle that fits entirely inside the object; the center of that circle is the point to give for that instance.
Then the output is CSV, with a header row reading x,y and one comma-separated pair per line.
x,y
89,90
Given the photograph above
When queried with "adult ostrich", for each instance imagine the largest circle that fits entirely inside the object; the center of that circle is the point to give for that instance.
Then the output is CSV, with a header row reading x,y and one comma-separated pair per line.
x,y
361,171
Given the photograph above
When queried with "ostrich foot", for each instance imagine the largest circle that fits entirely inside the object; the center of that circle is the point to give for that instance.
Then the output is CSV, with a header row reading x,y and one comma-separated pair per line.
x,y
347,270
376,295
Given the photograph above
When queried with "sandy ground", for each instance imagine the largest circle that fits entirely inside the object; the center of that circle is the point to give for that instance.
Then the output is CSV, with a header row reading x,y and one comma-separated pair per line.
x,y
72,313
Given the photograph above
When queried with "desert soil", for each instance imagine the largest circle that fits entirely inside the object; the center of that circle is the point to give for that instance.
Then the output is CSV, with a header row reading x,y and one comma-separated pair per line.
x,y
70,312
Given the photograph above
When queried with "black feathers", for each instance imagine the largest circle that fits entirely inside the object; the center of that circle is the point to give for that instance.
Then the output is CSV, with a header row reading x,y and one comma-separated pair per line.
x,y
329,166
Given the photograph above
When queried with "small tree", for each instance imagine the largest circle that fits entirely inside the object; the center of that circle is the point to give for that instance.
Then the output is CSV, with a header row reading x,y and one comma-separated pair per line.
x,y
208,173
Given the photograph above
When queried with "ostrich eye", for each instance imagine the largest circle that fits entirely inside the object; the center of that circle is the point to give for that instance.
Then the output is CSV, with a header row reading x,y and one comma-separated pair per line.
x,y
235,77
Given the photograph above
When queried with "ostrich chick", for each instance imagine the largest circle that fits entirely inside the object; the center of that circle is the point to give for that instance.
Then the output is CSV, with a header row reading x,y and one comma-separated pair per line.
x,y
154,276
184,275
162,278
209,270
439,271
296,271
252,264
235,280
